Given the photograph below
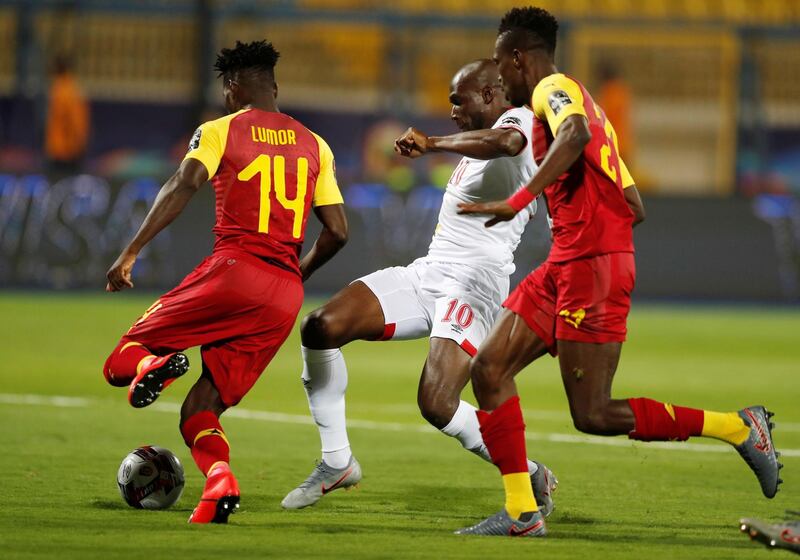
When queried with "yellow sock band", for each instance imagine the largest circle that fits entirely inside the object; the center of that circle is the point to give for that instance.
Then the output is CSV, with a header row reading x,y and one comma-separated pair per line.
x,y
144,362
214,466
211,432
519,494
725,426
128,345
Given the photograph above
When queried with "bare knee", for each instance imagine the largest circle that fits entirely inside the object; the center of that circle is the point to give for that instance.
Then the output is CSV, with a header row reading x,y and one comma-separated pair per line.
x,y
319,330
437,406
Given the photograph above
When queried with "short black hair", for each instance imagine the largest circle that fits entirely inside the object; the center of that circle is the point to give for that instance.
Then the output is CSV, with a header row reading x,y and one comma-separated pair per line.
x,y
259,56
537,25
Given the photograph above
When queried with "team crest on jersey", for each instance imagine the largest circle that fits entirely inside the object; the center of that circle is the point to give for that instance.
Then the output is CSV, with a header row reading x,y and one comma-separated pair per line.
x,y
573,318
511,120
558,100
194,143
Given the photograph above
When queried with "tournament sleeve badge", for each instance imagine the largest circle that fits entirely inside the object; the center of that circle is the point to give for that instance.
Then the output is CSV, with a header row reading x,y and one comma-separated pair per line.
x,y
558,100
194,143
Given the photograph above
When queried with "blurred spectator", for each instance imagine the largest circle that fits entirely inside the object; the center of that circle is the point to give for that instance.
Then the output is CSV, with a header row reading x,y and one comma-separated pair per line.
x,y
381,164
614,96
67,128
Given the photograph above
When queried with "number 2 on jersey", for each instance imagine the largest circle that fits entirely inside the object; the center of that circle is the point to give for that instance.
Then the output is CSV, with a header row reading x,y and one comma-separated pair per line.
x,y
605,152
261,165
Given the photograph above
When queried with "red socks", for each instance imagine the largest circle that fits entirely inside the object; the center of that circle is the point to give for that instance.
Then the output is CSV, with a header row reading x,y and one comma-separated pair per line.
x,y
120,367
204,436
503,433
657,421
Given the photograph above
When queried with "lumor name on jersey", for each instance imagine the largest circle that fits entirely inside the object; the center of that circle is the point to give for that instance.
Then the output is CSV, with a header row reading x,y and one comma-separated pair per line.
x,y
279,137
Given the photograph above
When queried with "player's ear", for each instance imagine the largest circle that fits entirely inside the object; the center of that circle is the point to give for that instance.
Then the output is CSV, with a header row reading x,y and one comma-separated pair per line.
x,y
516,57
487,93
275,90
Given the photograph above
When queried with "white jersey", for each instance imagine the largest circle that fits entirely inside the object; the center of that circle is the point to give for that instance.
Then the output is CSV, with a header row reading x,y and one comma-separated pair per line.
x,y
464,238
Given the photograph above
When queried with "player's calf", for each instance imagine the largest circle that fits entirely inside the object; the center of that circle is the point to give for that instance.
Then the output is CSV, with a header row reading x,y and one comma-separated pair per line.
x,y
492,382
749,431
438,406
208,443
610,418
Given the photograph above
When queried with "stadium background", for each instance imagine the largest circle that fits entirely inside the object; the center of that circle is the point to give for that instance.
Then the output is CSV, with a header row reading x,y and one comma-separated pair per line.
x,y
713,135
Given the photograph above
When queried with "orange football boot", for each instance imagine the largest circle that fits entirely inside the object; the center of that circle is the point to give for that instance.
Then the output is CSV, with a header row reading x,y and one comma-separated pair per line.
x,y
156,376
220,496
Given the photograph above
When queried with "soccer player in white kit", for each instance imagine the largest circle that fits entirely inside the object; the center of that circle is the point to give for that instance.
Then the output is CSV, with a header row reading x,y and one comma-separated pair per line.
x,y
452,295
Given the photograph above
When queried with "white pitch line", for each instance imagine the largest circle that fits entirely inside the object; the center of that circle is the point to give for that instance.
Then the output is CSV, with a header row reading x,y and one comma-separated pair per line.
x,y
283,418
44,400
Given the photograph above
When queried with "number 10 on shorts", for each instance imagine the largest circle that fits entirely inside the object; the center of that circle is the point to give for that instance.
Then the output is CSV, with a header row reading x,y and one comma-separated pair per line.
x,y
462,314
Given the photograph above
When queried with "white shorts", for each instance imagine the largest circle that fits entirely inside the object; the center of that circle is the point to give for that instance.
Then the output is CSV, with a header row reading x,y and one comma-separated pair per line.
x,y
436,299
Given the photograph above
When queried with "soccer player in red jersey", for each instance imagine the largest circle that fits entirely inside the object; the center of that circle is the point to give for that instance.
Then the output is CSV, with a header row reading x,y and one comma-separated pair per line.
x,y
240,303
577,301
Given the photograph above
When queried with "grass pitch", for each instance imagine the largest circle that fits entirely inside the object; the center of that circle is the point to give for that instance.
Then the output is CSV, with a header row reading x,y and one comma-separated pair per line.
x,y
58,493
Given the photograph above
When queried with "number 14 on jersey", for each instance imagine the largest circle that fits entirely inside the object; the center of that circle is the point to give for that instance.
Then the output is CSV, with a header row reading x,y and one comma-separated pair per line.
x,y
262,165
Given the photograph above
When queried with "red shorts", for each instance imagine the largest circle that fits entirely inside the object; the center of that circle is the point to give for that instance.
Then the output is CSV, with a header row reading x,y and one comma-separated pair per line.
x,y
585,300
236,307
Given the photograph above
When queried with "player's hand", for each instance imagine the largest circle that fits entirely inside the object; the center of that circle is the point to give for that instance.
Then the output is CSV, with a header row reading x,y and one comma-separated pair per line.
x,y
412,143
501,210
119,275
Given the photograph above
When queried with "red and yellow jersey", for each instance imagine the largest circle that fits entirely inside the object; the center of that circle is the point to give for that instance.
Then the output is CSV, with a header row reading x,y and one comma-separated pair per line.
x,y
587,203
267,170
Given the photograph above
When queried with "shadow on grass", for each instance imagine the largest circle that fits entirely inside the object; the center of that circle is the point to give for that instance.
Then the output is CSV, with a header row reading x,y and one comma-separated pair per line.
x,y
119,505
110,504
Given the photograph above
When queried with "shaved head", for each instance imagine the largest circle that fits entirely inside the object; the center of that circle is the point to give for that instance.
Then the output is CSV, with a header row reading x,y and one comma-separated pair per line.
x,y
476,95
478,74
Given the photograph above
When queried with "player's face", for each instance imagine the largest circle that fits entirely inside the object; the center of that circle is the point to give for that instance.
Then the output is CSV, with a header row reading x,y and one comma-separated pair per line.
x,y
467,105
509,67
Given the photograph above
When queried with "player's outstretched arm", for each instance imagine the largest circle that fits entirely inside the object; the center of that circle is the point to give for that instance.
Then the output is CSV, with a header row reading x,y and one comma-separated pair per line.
x,y
169,203
331,239
635,203
571,138
490,143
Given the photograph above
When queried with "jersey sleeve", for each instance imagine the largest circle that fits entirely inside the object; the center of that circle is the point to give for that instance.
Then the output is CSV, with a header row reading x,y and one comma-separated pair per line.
x,y
207,146
520,119
555,98
627,180
326,191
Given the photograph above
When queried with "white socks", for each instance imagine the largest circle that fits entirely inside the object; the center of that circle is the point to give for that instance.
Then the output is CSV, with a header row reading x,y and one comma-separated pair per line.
x,y
325,381
465,428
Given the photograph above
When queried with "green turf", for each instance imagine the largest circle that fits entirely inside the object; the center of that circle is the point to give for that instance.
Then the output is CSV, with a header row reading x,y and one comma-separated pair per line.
x,y
58,496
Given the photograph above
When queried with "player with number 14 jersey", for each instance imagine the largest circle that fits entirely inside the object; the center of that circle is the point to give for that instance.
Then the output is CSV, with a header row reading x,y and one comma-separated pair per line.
x,y
240,303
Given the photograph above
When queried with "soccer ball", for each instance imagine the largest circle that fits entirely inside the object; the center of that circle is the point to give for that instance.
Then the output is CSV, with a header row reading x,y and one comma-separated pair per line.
x,y
150,478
